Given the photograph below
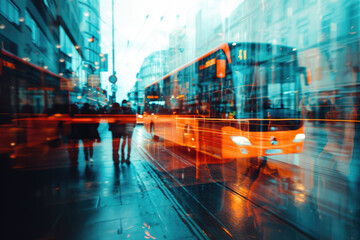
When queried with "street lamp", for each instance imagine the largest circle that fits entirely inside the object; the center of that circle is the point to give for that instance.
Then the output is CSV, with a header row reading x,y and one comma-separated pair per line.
x,y
91,39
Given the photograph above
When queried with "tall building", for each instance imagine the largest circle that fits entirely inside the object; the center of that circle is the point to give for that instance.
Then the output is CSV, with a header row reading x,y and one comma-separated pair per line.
x,y
60,36
177,45
71,45
90,30
28,30
209,27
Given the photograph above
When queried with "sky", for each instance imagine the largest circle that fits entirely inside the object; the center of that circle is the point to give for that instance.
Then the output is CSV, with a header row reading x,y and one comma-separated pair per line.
x,y
141,27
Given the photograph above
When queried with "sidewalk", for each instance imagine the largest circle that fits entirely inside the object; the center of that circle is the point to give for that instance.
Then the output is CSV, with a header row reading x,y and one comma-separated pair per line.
x,y
98,201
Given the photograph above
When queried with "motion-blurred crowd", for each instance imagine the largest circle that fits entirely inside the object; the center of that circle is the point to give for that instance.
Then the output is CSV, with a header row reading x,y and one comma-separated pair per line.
x,y
80,123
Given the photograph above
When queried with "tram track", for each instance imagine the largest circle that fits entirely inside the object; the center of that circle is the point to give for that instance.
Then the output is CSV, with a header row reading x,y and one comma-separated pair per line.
x,y
273,213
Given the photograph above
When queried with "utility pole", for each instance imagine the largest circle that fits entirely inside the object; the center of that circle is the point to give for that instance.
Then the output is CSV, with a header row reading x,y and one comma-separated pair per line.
x,y
113,54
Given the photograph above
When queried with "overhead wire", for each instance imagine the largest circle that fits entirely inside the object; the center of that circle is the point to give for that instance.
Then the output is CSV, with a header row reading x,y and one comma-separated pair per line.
x,y
148,37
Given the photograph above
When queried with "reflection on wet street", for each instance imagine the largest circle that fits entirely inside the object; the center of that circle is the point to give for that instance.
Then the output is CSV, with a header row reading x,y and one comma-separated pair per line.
x,y
265,198
168,187
52,199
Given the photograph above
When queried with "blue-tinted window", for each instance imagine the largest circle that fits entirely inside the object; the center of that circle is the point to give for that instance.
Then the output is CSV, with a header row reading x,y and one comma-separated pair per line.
x,y
35,31
9,10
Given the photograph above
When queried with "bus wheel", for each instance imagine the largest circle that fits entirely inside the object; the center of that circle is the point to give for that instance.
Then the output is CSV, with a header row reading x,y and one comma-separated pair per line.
x,y
152,131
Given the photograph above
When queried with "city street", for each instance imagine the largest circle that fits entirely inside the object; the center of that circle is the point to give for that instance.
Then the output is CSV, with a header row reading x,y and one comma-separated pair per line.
x,y
191,119
168,192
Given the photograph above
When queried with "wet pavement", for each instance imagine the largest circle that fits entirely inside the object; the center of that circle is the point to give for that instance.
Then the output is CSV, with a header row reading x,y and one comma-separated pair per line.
x,y
168,192
48,199
287,196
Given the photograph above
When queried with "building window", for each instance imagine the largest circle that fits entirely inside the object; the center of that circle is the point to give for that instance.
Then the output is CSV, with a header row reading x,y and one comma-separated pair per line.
x,y
46,2
32,25
325,28
353,18
10,11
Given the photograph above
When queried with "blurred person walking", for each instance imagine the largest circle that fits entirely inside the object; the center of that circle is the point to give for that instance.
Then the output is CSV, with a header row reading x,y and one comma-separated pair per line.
x,y
88,132
128,128
116,129
73,136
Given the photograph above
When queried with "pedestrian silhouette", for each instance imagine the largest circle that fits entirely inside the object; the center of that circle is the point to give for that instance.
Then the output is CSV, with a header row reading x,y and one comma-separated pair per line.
x,y
116,130
73,137
88,131
128,128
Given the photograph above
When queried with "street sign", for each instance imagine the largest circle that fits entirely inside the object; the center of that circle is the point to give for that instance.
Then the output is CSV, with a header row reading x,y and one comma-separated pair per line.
x,y
114,88
112,79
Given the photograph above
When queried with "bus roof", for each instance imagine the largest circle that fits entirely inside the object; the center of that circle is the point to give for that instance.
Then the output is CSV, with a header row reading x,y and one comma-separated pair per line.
x,y
224,47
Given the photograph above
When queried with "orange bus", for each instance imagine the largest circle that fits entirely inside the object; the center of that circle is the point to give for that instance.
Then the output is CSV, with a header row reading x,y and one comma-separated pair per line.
x,y
28,93
239,100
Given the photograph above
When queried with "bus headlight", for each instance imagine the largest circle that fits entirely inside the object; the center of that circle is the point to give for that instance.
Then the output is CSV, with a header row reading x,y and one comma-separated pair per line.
x,y
140,116
241,140
299,137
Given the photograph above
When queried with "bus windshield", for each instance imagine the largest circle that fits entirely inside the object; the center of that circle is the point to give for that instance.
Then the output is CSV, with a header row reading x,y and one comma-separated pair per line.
x,y
268,90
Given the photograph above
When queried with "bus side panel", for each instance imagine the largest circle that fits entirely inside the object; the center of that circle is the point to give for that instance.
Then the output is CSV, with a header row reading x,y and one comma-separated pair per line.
x,y
209,139
161,124
147,122
185,127
7,138
7,129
